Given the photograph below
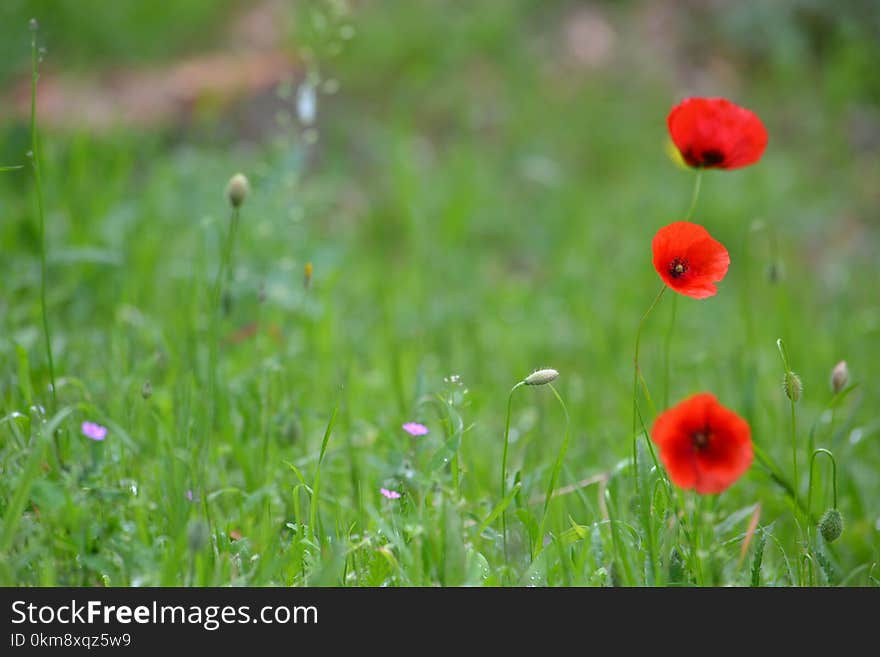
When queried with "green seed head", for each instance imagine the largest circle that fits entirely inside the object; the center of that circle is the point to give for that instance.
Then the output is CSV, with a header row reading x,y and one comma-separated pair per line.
x,y
831,525
792,386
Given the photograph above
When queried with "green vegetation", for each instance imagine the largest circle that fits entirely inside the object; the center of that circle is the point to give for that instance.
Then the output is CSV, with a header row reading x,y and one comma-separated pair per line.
x,y
477,205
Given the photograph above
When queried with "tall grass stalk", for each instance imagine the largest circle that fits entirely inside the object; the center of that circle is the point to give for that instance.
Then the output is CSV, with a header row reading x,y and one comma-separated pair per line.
x,y
41,214
316,485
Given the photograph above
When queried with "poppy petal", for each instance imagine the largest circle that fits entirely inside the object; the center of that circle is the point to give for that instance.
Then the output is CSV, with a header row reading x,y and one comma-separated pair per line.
x,y
716,133
689,259
703,445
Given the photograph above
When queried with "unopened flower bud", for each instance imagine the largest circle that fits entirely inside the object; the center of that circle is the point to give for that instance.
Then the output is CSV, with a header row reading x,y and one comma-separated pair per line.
x,y
792,386
237,189
541,377
831,525
147,389
839,376
33,25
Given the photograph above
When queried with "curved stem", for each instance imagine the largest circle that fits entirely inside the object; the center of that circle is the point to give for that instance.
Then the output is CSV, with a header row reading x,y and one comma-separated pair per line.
x,y
504,465
827,453
636,380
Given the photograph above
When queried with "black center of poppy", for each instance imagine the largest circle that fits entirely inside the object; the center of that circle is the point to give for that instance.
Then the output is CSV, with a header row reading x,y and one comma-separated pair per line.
x,y
712,157
700,439
678,267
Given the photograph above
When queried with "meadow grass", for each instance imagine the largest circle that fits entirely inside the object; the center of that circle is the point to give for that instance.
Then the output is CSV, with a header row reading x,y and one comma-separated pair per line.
x,y
474,208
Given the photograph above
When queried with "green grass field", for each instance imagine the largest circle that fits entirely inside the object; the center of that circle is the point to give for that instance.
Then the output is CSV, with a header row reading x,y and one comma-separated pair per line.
x,y
476,203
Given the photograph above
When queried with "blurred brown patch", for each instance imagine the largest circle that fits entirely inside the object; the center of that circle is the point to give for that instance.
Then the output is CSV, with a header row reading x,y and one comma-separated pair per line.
x,y
242,334
589,38
251,329
143,97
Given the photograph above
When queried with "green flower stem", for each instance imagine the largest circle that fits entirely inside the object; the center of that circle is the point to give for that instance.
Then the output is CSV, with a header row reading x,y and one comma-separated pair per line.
x,y
695,195
696,539
794,461
827,453
636,383
216,309
504,464
667,347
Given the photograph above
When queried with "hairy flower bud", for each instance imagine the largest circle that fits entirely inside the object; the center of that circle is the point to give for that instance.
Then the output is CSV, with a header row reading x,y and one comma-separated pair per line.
x,y
237,189
831,525
541,377
839,377
792,386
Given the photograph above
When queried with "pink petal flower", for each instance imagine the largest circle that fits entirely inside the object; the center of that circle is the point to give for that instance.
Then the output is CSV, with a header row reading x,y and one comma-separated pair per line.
x,y
415,429
390,494
94,431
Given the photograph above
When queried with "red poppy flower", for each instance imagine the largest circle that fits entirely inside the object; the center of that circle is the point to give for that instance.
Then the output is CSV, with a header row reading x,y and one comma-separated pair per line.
x,y
689,260
703,444
715,133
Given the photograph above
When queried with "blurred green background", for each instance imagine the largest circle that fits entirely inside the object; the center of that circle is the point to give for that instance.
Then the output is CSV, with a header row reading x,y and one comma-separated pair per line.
x,y
477,195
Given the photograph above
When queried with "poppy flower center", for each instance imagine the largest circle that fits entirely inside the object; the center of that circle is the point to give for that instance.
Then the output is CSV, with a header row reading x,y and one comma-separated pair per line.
x,y
700,439
712,157
678,267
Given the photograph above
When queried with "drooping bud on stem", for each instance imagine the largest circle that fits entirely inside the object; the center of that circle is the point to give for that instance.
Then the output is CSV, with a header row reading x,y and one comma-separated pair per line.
x,y
237,190
541,377
839,377
792,386
831,525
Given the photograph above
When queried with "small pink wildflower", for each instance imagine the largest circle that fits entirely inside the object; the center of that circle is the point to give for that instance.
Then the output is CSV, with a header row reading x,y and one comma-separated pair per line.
x,y
415,429
390,494
94,431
